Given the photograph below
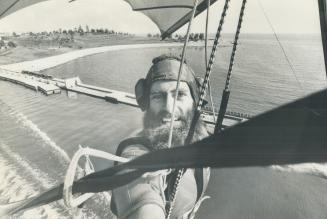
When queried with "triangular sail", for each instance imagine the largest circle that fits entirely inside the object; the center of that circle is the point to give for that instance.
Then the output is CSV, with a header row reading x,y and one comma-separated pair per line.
x,y
168,15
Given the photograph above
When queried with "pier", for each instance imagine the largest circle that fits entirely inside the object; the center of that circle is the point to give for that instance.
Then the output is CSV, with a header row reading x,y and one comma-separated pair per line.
x,y
50,85
113,96
31,82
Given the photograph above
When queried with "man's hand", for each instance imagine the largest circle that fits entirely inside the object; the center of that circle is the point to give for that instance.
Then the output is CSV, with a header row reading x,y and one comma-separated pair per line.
x,y
149,211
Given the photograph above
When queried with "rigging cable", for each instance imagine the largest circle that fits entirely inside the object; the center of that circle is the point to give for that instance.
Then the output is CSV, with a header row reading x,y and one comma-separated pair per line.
x,y
206,59
200,103
281,46
172,199
226,92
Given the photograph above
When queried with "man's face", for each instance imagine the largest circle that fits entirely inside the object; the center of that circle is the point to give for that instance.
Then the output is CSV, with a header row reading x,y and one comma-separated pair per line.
x,y
159,114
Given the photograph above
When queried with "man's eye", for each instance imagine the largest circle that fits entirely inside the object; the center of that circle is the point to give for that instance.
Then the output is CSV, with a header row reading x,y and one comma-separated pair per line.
x,y
156,96
181,94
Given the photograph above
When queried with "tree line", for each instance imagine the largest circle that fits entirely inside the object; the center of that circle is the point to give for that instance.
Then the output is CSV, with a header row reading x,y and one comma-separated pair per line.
x,y
77,30
192,37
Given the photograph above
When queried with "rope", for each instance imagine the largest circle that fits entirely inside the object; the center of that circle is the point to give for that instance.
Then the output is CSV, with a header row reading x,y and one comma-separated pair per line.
x,y
206,58
173,194
179,73
200,103
175,190
231,63
211,102
207,74
230,69
212,56
206,35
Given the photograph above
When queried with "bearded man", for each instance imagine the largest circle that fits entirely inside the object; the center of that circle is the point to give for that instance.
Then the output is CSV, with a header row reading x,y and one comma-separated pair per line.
x,y
147,197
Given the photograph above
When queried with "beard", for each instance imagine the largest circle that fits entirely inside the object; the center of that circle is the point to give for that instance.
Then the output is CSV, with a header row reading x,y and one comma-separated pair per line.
x,y
157,131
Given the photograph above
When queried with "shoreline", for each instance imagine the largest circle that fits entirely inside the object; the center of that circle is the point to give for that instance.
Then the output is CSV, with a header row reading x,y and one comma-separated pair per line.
x,y
52,61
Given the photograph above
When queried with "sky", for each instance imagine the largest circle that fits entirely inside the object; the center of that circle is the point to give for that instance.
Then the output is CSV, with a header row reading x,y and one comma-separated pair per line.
x,y
285,16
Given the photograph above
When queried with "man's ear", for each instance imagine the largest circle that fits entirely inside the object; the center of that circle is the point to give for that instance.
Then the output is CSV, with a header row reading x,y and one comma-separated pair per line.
x,y
140,94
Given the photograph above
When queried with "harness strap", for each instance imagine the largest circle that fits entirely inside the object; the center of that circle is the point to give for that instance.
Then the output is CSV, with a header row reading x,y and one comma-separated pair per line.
x,y
199,178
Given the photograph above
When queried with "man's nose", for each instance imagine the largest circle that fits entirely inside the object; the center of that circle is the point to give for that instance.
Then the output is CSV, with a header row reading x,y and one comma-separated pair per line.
x,y
169,103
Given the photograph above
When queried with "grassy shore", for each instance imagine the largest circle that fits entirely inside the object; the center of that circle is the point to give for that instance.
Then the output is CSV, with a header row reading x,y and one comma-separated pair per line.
x,y
31,48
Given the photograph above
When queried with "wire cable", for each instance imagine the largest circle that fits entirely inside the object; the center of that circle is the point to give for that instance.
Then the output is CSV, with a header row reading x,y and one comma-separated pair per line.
x,y
281,46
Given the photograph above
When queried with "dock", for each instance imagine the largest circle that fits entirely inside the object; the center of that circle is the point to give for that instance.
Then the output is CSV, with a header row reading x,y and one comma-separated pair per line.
x,y
49,85
113,96
31,82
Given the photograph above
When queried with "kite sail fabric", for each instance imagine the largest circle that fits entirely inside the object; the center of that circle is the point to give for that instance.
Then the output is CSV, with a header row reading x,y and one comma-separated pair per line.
x,y
168,15
8,7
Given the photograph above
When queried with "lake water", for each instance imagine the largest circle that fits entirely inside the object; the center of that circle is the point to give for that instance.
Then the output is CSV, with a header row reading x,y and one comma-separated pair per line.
x,y
39,134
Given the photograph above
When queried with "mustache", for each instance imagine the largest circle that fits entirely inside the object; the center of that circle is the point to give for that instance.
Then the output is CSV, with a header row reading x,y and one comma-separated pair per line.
x,y
159,136
163,118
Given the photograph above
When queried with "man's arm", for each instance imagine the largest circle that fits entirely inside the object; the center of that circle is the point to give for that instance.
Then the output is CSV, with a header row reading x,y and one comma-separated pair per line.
x,y
142,198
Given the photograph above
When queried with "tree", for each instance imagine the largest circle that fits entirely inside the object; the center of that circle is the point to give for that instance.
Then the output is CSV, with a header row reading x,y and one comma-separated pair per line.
x,y
71,33
149,35
14,34
87,29
201,36
92,31
196,37
80,30
11,44
191,37
2,43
